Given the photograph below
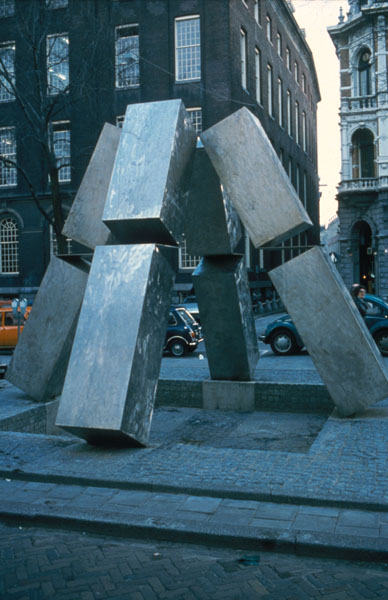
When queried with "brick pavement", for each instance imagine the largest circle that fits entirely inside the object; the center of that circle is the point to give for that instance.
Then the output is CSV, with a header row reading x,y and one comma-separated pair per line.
x,y
41,564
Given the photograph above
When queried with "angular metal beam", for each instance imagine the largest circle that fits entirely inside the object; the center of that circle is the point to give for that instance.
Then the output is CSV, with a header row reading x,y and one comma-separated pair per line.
x,y
254,179
39,362
224,302
145,202
110,386
335,335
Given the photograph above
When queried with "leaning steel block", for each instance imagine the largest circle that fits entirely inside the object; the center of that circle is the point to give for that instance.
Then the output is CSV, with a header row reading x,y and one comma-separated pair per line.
x,y
145,201
84,223
212,225
40,359
333,331
254,178
110,387
224,302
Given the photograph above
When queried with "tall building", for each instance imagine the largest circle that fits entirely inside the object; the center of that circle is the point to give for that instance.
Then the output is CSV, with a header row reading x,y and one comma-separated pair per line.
x,y
361,41
68,66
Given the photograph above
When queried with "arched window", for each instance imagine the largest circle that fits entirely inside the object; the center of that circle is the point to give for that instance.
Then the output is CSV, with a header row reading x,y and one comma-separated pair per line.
x,y
364,73
363,154
9,246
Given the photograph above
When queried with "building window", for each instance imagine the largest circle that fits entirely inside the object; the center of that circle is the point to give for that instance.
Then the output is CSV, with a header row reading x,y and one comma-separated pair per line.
x,y
9,246
56,3
363,154
187,261
289,115
297,122
280,102
120,121
256,11
296,71
195,115
7,71
127,56
304,132
54,243
364,74
243,58
279,44
304,85
57,52
269,28
187,49
8,172
270,90
288,58
259,96
298,180
7,8
61,147
305,189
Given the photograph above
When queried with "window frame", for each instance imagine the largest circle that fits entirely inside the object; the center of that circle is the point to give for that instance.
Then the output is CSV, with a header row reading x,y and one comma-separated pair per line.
x,y
65,169
198,63
10,172
280,102
270,90
123,69
185,257
6,95
62,74
196,122
11,256
258,75
244,58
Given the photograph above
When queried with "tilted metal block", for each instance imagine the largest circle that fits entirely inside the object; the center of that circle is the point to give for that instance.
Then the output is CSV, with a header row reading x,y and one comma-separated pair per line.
x,y
84,222
224,302
110,387
212,225
145,201
39,362
255,179
335,335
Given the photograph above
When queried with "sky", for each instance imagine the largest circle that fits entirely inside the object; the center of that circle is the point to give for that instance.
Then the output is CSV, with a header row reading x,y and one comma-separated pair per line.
x,y
314,16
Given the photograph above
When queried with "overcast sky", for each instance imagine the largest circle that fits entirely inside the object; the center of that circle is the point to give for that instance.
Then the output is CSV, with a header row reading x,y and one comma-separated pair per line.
x,y
315,16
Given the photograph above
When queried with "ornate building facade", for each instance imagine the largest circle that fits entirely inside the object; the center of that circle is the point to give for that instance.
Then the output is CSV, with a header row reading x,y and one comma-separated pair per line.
x,y
361,41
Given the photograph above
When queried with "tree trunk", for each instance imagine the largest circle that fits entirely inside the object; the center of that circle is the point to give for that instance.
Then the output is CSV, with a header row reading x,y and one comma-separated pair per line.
x,y
59,219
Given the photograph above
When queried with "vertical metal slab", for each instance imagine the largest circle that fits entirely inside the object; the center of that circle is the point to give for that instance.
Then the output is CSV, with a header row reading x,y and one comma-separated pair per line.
x,y
255,179
224,302
332,330
145,202
110,387
39,362
84,222
212,225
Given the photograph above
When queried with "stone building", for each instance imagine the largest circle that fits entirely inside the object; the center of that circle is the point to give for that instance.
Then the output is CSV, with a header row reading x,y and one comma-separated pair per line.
x,y
94,57
361,41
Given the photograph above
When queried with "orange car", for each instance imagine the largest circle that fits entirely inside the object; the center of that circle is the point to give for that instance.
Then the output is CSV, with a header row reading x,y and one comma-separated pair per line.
x,y
9,326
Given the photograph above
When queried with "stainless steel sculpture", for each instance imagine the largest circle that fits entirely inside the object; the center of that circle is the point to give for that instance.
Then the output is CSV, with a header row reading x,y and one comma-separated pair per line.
x,y
254,178
335,335
39,362
84,223
145,201
225,307
110,387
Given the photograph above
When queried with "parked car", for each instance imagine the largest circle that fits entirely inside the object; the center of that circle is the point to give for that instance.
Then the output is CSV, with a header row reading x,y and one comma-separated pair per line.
x,y
284,339
190,304
183,332
9,327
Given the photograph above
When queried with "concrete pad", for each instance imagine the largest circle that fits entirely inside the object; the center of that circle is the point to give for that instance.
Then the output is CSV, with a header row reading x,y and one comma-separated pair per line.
x,y
110,387
333,331
229,395
145,201
84,222
212,225
39,362
254,179
224,302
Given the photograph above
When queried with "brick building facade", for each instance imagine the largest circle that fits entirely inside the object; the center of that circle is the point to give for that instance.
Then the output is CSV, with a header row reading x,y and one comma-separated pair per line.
x,y
361,42
217,56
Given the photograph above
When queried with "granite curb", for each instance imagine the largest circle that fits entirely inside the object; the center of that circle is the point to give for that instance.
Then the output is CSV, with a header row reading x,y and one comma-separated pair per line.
x,y
187,531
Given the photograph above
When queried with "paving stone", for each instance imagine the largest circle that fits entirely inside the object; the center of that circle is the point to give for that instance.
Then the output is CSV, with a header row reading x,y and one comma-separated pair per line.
x,y
314,523
356,518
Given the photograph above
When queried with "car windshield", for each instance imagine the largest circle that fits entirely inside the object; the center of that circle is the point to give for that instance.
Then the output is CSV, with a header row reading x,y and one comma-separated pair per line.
x,y
189,300
186,316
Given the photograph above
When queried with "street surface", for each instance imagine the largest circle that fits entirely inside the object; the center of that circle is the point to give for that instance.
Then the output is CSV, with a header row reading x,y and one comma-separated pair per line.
x,y
38,564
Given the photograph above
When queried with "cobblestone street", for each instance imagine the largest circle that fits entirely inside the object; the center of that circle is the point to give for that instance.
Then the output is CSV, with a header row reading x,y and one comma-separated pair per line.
x,y
41,563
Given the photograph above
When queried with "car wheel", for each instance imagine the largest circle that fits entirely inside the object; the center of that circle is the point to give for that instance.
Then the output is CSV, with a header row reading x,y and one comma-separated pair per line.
x,y
177,348
381,340
283,342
